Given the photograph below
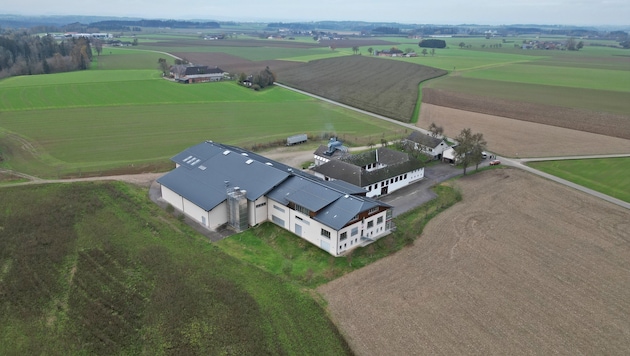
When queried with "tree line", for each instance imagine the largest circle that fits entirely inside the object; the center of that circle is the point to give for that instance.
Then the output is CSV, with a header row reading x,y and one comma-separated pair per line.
x,y
257,81
23,54
114,25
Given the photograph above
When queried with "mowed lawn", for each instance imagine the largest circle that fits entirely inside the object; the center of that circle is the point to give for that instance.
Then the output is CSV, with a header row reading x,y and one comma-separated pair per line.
x,y
605,175
99,269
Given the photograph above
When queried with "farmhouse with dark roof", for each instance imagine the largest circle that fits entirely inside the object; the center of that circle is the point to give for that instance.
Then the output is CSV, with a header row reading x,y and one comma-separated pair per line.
x,y
196,74
379,172
216,185
429,145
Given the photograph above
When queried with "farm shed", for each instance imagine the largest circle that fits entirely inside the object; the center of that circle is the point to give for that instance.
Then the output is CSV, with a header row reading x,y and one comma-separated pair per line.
x,y
196,74
217,185
379,172
432,146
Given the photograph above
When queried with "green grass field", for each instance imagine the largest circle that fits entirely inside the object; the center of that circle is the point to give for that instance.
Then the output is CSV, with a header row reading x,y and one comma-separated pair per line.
x,y
605,175
281,253
99,269
117,119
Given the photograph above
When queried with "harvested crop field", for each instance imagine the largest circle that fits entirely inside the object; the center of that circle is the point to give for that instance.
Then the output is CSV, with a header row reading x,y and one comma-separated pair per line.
x,y
382,86
521,266
599,122
234,64
517,138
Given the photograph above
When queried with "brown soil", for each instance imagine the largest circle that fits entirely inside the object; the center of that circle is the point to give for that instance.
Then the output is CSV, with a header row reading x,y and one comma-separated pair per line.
x,y
235,64
603,123
517,138
521,266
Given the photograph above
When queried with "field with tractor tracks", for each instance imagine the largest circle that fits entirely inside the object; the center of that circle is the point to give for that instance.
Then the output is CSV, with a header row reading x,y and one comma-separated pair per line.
x,y
521,266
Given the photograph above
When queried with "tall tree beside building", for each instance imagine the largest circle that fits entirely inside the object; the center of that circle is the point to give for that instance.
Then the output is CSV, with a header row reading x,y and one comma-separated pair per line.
x,y
469,149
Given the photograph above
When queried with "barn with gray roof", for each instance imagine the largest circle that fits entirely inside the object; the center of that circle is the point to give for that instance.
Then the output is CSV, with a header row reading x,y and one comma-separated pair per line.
x,y
217,185
427,144
378,172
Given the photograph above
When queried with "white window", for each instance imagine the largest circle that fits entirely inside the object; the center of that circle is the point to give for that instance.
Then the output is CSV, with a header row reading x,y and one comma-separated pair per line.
x,y
326,233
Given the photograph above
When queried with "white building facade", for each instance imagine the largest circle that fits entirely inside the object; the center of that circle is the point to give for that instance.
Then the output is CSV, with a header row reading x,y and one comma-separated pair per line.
x,y
333,216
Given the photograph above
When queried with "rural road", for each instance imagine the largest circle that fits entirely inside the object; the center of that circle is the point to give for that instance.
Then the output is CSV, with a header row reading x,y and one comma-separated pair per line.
x,y
409,126
520,163
294,159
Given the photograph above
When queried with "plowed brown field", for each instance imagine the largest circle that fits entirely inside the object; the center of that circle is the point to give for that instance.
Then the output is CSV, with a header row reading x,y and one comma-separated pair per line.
x,y
521,266
598,122
234,64
517,138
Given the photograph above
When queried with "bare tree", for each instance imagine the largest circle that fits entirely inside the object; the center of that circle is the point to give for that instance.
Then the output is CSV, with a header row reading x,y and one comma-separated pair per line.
x,y
163,65
464,148
98,46
436,131
470,148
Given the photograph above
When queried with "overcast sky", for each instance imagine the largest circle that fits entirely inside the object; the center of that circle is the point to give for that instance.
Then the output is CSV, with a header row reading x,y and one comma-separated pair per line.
x,y
491,12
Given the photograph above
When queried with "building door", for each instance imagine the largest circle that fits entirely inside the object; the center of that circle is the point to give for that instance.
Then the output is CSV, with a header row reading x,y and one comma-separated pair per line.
x,y
298,230
203,221
384,190
325,245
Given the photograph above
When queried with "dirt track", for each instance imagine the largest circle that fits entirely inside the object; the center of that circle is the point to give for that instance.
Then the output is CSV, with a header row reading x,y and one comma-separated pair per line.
x,y
516,138
521,266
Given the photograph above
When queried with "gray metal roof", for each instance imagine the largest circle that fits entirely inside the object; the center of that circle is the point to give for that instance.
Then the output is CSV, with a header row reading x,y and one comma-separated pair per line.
x,y
344,209
337,153
343,186
424,140
305,192
205,168
345,170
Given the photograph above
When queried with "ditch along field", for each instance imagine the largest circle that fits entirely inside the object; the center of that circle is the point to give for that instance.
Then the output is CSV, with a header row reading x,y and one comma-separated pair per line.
x,y
97,268
521,266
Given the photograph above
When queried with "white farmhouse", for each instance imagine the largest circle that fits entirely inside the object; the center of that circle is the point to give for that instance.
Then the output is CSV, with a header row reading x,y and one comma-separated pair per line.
x,y
378,172
216,184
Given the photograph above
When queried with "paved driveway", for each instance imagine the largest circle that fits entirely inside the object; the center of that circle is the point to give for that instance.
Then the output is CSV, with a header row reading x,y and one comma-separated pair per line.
x,y
418,193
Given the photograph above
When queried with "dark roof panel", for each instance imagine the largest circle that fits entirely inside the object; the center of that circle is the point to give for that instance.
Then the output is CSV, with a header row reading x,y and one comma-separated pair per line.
x,y
424,140
208,169
343,210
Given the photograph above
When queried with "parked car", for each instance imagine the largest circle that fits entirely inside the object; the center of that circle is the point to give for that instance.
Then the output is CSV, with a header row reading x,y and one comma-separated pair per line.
x,y
495,162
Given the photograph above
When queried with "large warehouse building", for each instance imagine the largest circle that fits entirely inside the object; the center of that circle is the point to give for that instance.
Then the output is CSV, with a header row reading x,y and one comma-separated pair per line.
x,y
217,184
